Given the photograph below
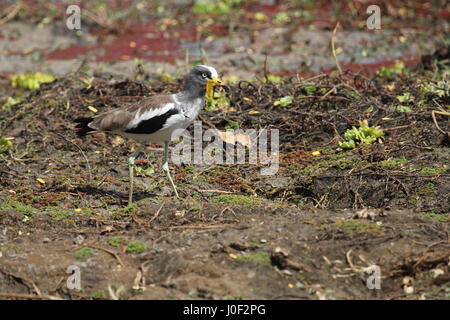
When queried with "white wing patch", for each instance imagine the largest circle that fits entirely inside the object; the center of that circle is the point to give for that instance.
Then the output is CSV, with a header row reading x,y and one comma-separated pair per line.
x,y
139,117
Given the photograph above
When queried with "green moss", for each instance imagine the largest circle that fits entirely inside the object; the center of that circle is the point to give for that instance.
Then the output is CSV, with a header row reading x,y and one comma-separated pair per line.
x,y
125,212
131,208
59,213
11,204
427,190
117,241
136,247
432,171
392,163
237,199
437,217
318,167
259,257
99,295
83,254
352,226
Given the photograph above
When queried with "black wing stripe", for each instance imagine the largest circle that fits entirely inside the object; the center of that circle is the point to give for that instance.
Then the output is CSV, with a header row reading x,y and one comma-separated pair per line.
x,y
153,124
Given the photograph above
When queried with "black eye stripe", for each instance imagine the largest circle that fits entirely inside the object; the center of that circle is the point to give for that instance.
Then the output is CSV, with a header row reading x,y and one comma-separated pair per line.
x,y
204,74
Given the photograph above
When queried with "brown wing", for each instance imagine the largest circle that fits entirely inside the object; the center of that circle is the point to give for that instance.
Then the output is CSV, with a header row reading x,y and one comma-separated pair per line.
x,y
118,119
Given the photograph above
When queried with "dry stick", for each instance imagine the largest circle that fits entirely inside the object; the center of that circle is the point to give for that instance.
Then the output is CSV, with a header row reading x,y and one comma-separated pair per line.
x,y
422,258
28,296
28,282
442,113
157,212
110,252
265,69
333,38
84,155
197,227
12,14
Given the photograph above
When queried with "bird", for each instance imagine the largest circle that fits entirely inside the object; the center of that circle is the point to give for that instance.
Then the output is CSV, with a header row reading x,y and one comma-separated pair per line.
x,y
155,119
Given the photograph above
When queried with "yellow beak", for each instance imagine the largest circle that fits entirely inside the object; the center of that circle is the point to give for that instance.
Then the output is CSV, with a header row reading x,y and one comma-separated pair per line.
x,y
210,86
217,82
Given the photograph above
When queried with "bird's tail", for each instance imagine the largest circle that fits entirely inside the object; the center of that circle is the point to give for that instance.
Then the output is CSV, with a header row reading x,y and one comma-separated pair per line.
x,y
82,126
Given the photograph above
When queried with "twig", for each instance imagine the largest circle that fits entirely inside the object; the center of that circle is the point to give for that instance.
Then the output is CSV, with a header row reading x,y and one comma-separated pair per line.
x,y
157,212
28,296
333,38
12,14
82,152
442,113
110,252
216,191
197,227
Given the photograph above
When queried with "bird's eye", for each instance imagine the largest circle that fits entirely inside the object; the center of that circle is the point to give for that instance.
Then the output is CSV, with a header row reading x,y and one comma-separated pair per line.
x,y
204,75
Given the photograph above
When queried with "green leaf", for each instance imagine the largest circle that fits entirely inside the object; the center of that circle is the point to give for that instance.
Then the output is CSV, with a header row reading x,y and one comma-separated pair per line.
x,y
31,81
284,102
232,125
406,97
310,90
5,145
403,109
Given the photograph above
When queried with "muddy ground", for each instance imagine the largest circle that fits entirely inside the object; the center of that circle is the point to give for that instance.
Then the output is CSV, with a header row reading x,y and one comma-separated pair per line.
x,y
311,231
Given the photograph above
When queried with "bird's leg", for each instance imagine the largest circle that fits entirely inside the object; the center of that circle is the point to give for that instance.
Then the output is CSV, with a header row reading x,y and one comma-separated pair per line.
x,y
131,159
165,166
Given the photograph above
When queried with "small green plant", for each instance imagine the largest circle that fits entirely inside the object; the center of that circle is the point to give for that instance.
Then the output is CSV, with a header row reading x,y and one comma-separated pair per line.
x,y
87,82
83,254
274,78
281,17
260,16
237,199
259,257
5,145
284,102
116,241
217,7
364,134
392,163
218,101
352,226
432,171
11,101
130,209
310,90
31,81
391,72
136,247
99,295
406,97
403,108
59,213
144,172
445,217
232,125
11,204
440,89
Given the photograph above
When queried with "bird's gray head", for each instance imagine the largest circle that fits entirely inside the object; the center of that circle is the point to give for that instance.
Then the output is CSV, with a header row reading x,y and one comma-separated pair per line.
x,y
200,79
